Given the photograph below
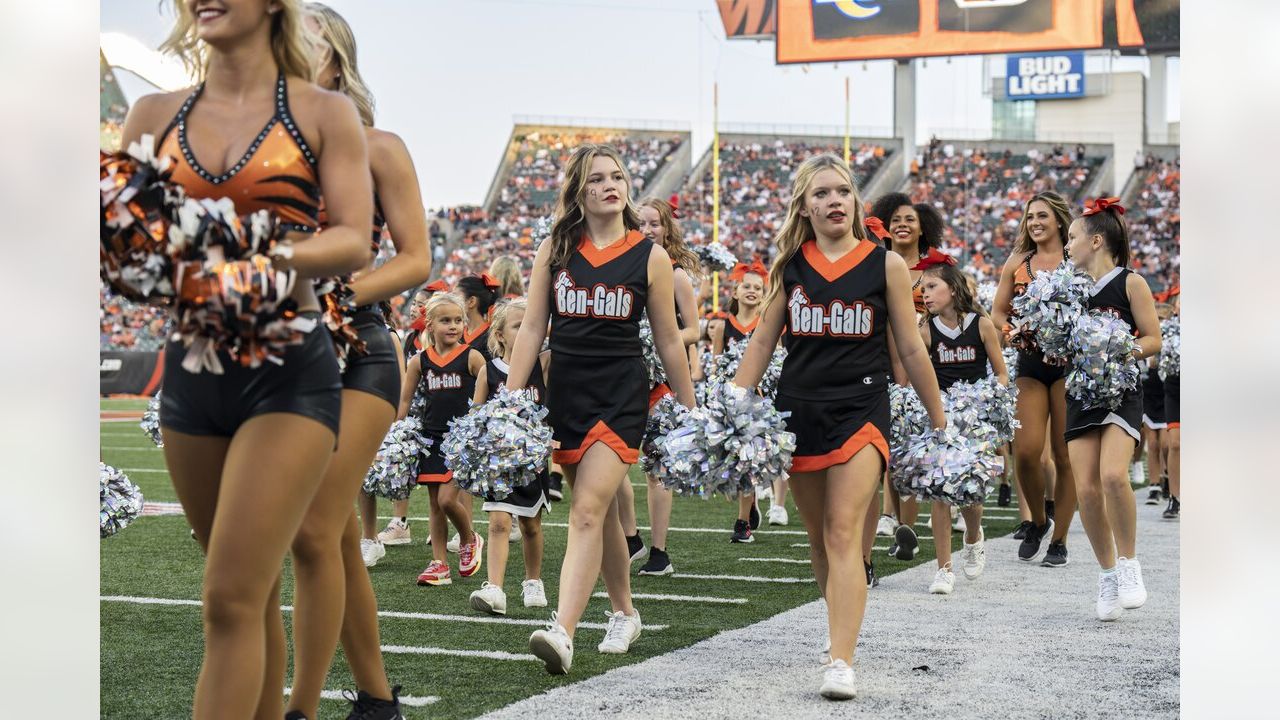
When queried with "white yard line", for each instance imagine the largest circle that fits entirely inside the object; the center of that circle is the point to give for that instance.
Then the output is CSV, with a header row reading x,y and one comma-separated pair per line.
x,y
793,561
485,654
742,578
681,598
726,531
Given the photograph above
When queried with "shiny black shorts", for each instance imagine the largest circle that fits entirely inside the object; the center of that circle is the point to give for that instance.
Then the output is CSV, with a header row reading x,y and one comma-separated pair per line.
x,y
1128,417
1173,401
307,384
377,371
1031,364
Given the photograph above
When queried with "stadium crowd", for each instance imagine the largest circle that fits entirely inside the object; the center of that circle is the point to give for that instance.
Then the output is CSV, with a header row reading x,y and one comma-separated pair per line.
x,y
1154,218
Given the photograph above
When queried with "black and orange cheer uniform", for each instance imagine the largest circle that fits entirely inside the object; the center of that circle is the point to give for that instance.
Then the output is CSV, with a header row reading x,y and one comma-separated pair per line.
x,y
1031,362
1110,296
598,386
661,390
527,501
835,380
1153,415
735,331
448,386
276,173
479,340
958,354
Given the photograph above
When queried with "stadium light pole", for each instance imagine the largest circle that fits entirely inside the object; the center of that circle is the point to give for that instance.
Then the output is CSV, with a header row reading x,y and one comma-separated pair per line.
x,y
715,189
846,120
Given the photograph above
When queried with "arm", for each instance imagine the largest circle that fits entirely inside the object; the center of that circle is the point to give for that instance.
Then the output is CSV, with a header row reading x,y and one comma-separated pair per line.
x,y
695,364
399,346
715,329
666,334
687,305
899,375
1002,304
397,184
911,349
147,117
760,347
544,358
991,341
482,387
536,315
1144,314
412,375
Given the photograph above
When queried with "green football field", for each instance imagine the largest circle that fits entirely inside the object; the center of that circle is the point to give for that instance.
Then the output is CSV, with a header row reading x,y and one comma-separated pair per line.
x,y
450,660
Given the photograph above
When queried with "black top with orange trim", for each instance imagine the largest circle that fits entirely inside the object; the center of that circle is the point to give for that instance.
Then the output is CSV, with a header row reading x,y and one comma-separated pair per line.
x,y
479,341
496,376
1110,295
734,330
277,172
958,354
597,298
447,385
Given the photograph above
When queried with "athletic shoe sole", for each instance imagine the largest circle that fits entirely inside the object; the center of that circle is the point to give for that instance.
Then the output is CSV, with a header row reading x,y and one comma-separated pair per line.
x,y
748,539
401,541
479,603
435,583
642,554
536,603
837,692
908,544
555,495
1046,563
1044,546
664,571
1113,617
542,648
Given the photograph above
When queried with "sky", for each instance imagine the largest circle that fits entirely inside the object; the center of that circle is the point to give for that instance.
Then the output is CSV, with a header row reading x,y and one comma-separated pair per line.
x,y
449,76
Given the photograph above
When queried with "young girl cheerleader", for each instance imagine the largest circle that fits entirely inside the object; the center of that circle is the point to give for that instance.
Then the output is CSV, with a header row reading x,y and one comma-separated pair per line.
x,y
223,431
1042,398
592,278
480,293
506,270
446,371
334,594
1100,440
837,294
1154,425
961,340
525,503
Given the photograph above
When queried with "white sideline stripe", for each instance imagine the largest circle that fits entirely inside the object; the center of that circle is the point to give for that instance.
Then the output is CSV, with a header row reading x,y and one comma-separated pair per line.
x,y
742,578
140,448
680,598
775,560
381,613
918,537
409,700
142,470
486,654
641,527
161,508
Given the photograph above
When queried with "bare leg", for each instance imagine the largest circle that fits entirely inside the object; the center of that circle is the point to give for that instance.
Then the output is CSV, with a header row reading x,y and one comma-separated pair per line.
x,y
1028,444
499,546
941,514
1174,468
271,702
972,522
627,508
1093,503
458,509
869,528
1064,491
659,513
809,492
361,641
368,516
531,531
439,526
849,489
780,492
1122,511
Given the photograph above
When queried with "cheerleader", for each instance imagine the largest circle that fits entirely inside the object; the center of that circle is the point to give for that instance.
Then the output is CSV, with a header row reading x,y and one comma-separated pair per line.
x,y
334,594
525,503
961,340
223,432
1101,440
1173,433
445,375
837,294
506,270
480,294
592,278
1154,425
1042,399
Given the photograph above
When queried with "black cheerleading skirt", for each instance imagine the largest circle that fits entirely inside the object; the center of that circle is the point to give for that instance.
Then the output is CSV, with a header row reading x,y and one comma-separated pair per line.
x,y
1031,364
431,467
376,371
831,431
1153,401
526,501
307,383
1128,417
1173,401
594,399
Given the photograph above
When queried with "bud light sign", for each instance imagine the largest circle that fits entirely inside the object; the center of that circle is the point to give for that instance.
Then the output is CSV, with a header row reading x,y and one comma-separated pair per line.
x,y
1046,76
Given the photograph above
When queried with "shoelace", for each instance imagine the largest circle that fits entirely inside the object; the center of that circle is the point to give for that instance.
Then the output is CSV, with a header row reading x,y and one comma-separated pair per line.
x,y
1127,575
1110,591
617,626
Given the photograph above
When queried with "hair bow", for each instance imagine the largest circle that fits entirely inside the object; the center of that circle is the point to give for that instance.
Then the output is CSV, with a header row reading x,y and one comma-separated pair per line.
x,y
876,227
437,286
932,258
741,270
674,202
489,281
1094,207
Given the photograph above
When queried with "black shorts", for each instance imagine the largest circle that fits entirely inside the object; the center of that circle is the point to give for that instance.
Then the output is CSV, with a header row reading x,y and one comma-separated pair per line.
x,y
1127,417
527,501
431,467
1031,364
594,399
831,431
307,384
1153,401
1173,401
376,371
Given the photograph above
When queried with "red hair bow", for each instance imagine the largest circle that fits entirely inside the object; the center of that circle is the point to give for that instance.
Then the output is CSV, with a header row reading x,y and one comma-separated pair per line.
x,y
934,257
674,202
1094,207
438,286
876,227
489,281
755,268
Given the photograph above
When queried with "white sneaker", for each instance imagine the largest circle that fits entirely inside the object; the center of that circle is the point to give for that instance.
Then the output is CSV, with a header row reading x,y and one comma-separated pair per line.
x,y
765,492
554,647
943,581
838,681
886,526
515,536
455,543
778,515
1138,473
973,558
372,551
489,599
1109,595
535,595
622,631
957,520
396,533
1133,593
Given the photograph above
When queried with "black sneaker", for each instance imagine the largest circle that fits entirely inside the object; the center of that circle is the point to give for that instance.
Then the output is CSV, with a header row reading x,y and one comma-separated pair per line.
x,y
555,487
367,707
1153,495
295,715
906,542
1171,512
1023,527
893,549
1048,509
636,548
1006,495
872,580
1029,550
754,518
1056,555
659,563
1164,487
741,532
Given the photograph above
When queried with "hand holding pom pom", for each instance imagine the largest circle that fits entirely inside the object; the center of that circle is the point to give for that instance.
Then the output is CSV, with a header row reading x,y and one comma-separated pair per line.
x,y
1103,368
723,367
982,410
395,469
498,446
121,500
137,200
945,465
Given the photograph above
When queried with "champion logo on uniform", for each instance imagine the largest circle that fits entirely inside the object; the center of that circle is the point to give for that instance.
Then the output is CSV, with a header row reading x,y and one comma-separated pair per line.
x,y
443,381
599,301
837,319
962,354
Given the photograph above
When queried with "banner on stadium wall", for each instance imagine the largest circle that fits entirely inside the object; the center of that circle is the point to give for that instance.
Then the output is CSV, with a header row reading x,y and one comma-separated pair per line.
x,y
129,373
835,30
1046,76
748,19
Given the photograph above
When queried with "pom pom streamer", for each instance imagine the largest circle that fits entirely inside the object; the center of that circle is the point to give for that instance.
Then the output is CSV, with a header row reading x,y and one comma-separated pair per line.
x,y
337,300
984,410
948,466
1103,368
1010,362
987,295
137,201
652,363
735,442
907,417
1170,348
667,414
498,446
723,367
121,500
716,256
395,469
151,421
1048,311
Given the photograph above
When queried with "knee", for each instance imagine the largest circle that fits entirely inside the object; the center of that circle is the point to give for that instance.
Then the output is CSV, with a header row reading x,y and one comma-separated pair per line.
x,y
840,537
1025,457
228,606
583,517
1115,479
314,542
531,529
499,525
1173,443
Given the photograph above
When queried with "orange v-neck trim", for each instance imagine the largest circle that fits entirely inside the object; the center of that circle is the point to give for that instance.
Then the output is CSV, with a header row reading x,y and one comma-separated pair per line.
x,y
744,329
832,271
478,333
439,361
599,256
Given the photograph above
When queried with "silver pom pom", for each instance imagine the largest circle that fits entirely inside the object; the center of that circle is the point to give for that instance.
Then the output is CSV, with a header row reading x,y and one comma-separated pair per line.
x,y
716,256
395,469
1170,348
652,363
987,295
982,410
723,367
667,414
907,417
1103,368
151,420
948,466
121,500
1010,362
1047,312
498,446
